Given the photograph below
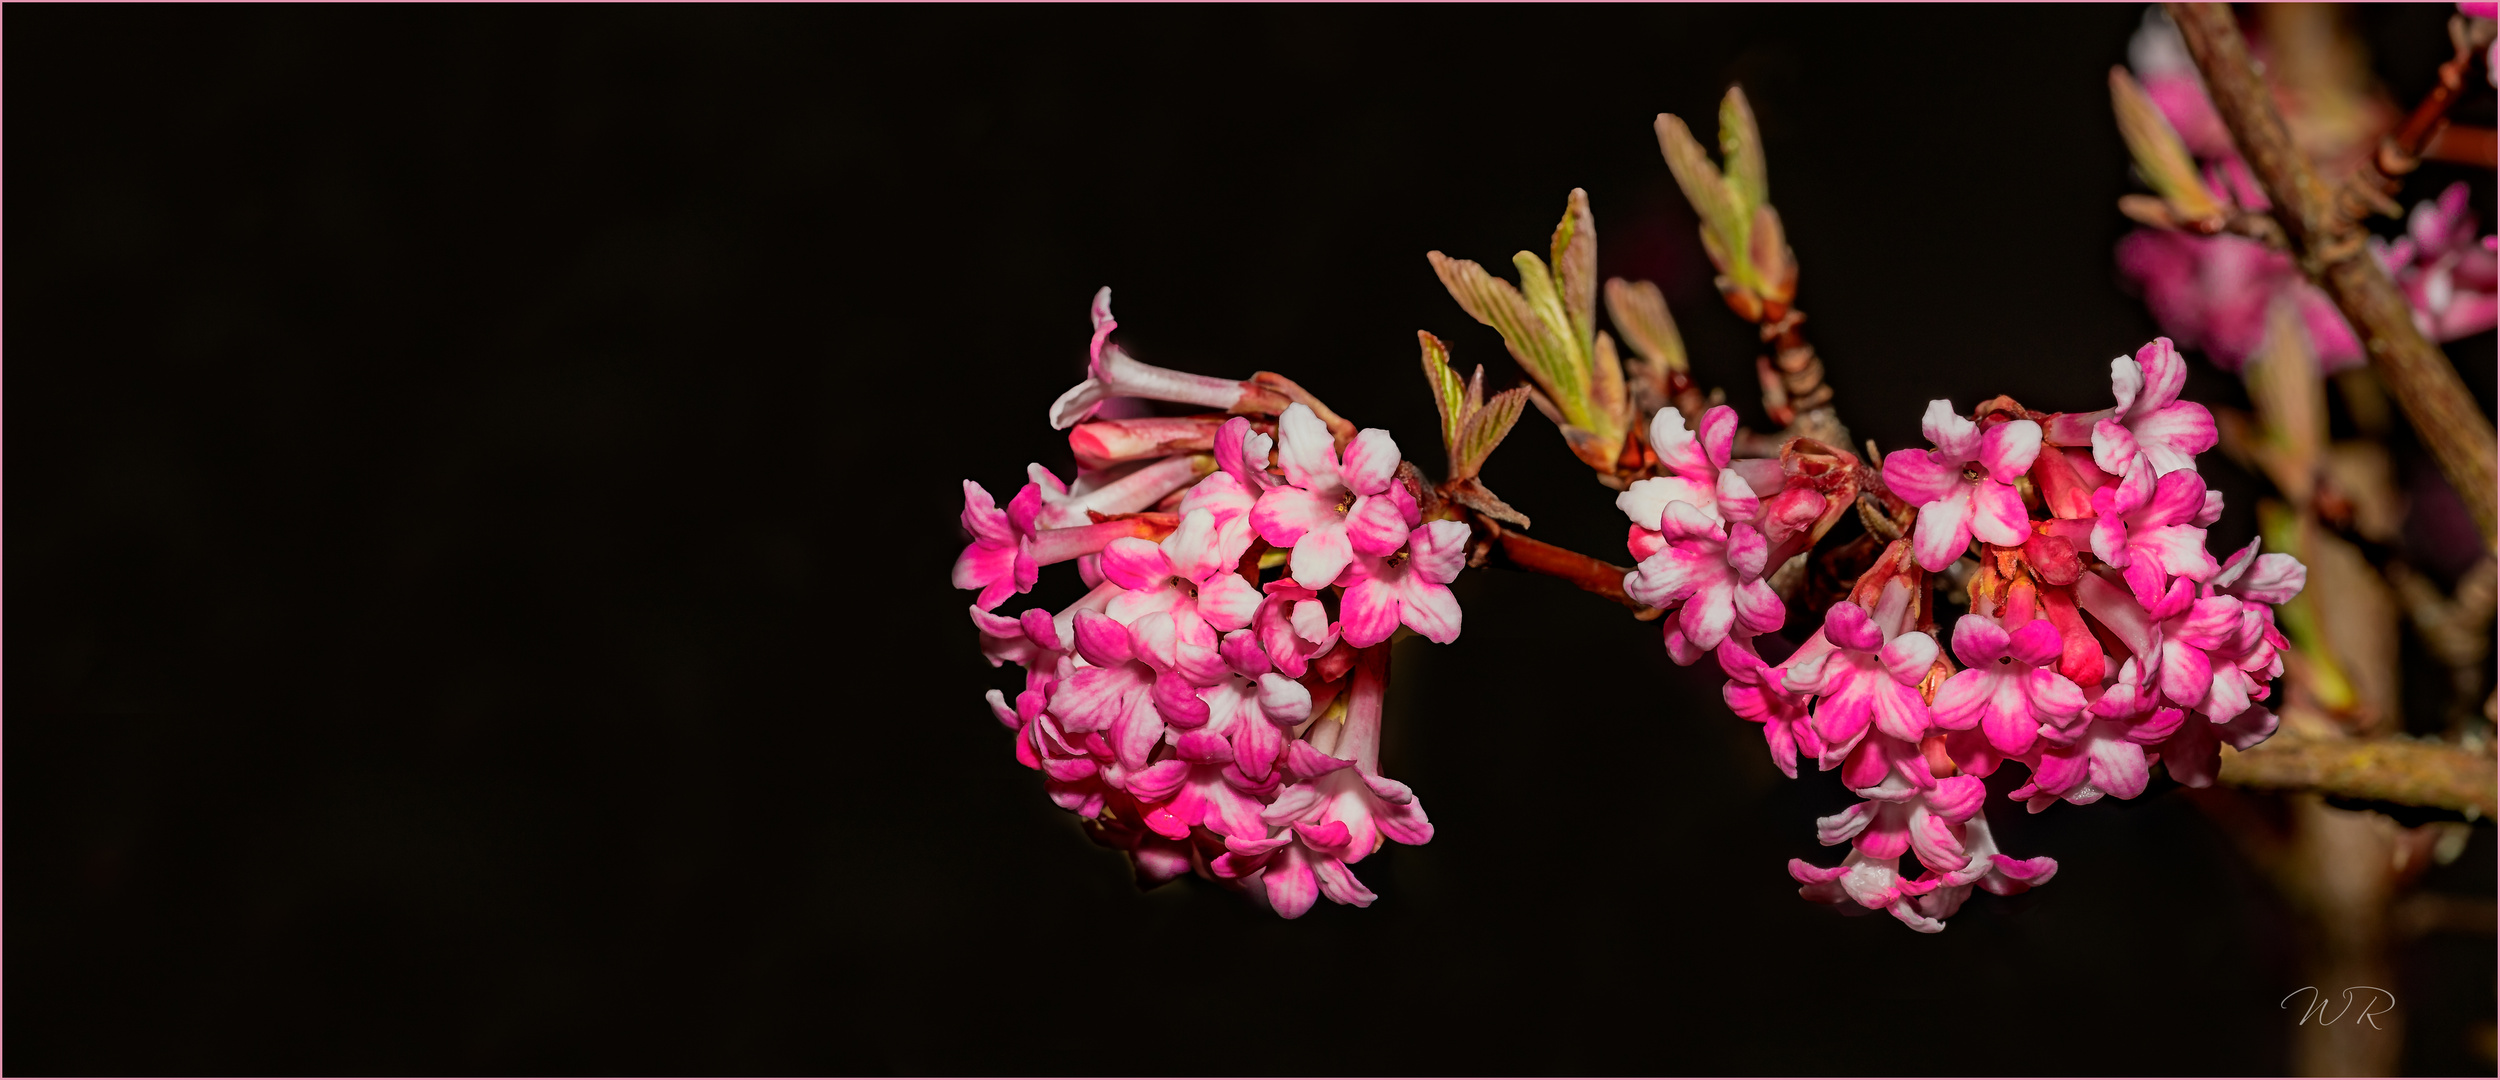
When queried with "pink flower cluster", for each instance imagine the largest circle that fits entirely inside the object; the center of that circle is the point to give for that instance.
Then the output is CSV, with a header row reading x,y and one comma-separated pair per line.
x,y
1197,713
2215,292
2102,636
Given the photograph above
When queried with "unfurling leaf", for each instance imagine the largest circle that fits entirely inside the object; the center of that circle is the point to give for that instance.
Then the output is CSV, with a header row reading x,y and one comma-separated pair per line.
x,y
1549,321
1472,493
1640,314
1568,380
1595,452
1496,303
1773,263
1606,390
2161,157
1740,144
1730,204
1449,395
1575,266
1485,430
1722,229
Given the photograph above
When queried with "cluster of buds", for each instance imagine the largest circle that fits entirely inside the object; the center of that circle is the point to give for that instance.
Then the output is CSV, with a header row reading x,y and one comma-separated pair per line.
x,y
1214,703
2101,637
2215,289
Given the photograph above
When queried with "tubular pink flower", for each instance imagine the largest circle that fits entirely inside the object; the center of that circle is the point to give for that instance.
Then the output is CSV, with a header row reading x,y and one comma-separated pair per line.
x,y
1337,814
1036,639
1113,373
2272,578
1694,455
996,562
1242,453
1987,868
1327,509
1293,627
1956,502
1875,884
1257,715
1007,553
1118,490
1699,547
2449,277
2186,648
2150,419
1194,573
1913,819
2009,685
2146,528
1100,444
2193,754
1195,787
1868,679
1412,588
1754,691
1119,692
2102,756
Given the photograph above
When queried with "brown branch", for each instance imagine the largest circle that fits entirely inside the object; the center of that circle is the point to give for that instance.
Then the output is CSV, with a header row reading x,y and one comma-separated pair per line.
x,y
1538,557
2426,386
2459,145
2408,771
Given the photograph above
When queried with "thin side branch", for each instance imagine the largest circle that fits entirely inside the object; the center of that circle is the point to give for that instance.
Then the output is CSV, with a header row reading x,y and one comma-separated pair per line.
x,y
2408,771
1538,557
2333,248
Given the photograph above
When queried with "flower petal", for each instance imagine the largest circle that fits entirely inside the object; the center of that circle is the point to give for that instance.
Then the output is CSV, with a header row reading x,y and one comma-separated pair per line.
x,y
1306,451
1375,527
1321,555
1430,608
1921,476
1370,462
1943,531
1368,613
1136,563
1955,436
2008,449
1227,600
1997,514
1908,657
2035,643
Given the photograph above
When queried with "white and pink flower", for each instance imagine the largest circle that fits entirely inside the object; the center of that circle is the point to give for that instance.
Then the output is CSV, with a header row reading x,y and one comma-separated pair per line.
x,y
1411,587
1112,373
1330,508
1965,486
2150,419
1867,680
1697,535
2009,685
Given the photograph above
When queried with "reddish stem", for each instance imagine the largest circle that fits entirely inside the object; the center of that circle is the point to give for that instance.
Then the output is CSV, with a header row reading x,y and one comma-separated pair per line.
x,y
1538,557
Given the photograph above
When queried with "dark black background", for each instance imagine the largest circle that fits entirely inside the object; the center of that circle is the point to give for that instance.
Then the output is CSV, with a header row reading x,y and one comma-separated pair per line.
x,y
482,482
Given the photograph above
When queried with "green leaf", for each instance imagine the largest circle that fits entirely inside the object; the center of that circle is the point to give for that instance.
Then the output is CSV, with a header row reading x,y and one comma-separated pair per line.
x,y
1448,394
1486,429
1703,187
1740,144
1606,390
1568,380
1639,312
1575,267
2160,155
1496,303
